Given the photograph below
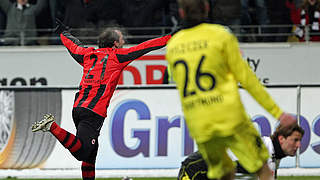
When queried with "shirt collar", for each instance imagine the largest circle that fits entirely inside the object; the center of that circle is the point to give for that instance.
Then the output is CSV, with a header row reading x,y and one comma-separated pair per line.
x,y
189,24
277,149
21,7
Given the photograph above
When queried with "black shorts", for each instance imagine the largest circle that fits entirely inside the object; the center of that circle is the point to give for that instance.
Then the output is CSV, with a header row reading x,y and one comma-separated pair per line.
x,y
88,125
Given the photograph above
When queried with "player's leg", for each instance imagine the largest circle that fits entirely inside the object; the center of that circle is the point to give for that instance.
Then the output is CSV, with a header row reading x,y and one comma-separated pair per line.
x,y
68,140
88,170
43,125
88,128
84,145
250,150
214,152
88,153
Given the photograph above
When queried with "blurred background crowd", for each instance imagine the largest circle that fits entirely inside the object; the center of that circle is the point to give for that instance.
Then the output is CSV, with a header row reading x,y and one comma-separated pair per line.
x,y
30,22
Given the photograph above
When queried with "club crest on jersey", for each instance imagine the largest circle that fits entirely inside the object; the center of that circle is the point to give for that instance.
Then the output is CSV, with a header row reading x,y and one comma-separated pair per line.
x,y
93,141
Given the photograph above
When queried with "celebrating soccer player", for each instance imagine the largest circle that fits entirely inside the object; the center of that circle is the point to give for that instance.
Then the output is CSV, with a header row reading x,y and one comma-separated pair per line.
x,y
102,68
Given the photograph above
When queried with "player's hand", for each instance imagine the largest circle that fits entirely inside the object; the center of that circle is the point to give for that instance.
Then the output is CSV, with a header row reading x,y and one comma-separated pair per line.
x,y
60,27
287,119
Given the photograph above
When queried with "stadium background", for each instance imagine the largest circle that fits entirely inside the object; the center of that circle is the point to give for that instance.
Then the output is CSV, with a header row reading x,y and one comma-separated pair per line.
x,y
144,123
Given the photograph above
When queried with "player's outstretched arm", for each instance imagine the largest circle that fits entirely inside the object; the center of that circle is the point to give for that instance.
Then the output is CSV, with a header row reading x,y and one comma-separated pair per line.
x,y
76,49
127,55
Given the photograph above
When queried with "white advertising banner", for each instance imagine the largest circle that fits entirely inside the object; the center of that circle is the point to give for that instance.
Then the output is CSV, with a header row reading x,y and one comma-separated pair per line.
x,y
53,66
147,126
284,63
310,98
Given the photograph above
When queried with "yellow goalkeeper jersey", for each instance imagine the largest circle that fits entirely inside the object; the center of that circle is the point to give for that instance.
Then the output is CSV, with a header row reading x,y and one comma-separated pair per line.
x,y
207,67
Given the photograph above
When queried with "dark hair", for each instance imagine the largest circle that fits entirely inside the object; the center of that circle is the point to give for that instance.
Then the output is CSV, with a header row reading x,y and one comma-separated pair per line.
x,y
286,131
107,37
195,10
305,5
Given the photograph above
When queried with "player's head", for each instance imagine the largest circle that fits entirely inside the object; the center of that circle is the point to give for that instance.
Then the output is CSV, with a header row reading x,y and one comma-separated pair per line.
x,y
312,2
289,138
193,10
22,2
111,38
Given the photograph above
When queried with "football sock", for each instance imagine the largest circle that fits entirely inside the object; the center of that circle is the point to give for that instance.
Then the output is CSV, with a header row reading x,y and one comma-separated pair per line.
x,y
88,171
68,140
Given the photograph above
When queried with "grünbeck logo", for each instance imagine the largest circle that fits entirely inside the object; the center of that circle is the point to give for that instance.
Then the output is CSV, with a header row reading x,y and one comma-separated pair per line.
x,y
20,81
164,123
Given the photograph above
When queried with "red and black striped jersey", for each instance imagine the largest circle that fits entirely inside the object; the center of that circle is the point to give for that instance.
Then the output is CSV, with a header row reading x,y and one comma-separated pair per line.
x,y
102,69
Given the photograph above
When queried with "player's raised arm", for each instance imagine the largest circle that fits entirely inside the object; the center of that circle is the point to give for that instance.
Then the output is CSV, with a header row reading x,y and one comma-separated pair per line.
x,y
132,53
75,47
251,83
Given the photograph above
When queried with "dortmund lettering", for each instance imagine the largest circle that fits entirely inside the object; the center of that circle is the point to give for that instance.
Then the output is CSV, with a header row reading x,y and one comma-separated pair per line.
x,y
203,102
